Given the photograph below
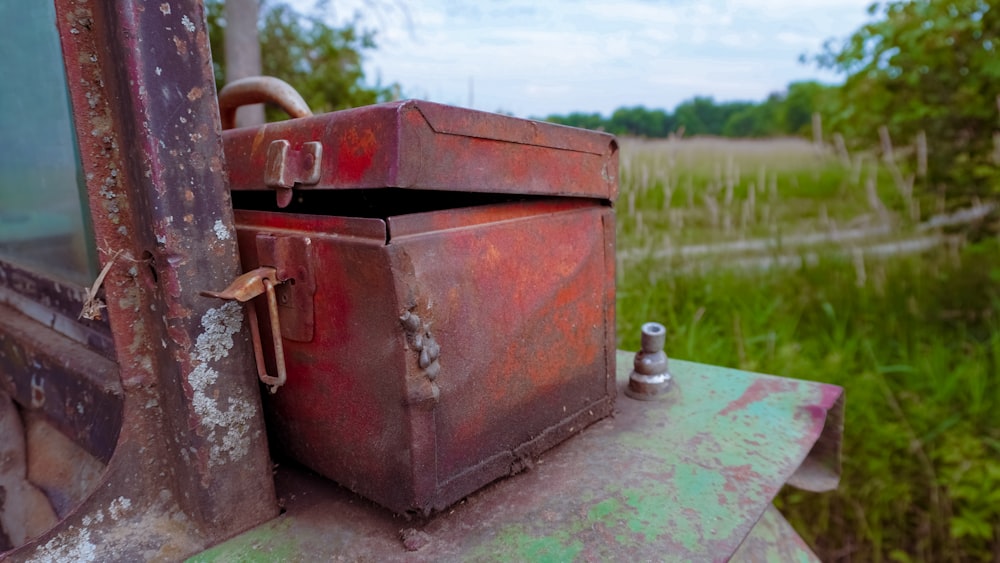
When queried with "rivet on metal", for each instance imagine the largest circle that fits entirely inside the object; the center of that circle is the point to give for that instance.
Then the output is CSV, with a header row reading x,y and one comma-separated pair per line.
x,y
650,378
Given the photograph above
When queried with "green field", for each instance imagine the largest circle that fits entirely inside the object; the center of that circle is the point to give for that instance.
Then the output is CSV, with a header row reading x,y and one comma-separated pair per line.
x,y
778,257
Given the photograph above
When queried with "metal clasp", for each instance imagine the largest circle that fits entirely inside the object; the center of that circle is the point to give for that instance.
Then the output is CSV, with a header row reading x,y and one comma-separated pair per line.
x,y
286,167
244,289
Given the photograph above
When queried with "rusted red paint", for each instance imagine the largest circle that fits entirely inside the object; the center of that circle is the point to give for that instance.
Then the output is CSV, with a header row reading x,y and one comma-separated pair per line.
x,y
514,300
760,390
422,145
522,337
356,154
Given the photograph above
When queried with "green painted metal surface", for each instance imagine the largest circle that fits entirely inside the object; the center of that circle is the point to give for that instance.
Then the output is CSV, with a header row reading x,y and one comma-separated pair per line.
x,y
774,539
689,478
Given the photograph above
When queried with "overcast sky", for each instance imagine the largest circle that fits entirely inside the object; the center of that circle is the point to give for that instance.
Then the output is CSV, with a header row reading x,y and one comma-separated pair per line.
x,y
534,58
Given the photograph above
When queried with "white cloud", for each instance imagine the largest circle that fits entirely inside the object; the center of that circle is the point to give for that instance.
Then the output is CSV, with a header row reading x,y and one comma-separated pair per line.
x,y
537,58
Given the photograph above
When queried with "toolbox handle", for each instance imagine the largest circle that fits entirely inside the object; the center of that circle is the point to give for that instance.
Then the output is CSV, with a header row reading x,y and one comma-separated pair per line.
x,y
259,89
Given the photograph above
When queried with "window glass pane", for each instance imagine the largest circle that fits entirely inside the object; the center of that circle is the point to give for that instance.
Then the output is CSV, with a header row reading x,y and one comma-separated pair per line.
x,y
43,224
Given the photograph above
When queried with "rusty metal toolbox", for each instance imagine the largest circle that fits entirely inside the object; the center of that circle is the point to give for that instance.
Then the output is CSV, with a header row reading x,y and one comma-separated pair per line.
x,y
444,284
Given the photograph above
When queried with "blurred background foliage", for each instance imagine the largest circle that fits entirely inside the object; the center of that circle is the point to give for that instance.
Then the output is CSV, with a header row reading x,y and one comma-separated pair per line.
x,y
322,62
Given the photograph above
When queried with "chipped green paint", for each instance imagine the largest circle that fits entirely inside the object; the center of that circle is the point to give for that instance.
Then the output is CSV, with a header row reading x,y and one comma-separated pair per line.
x,y
689,478
273,541
602,509
520,544
554,540
773,539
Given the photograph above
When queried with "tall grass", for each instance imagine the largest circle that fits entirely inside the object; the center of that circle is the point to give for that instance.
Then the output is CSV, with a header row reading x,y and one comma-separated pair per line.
x,y
914,339
713,189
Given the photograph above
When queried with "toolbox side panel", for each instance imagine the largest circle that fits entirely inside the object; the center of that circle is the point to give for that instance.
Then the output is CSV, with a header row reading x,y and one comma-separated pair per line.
x,y
520,310
340,411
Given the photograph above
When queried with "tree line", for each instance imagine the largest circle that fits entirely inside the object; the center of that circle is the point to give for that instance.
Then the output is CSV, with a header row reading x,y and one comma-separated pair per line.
x,y
782,113
921,69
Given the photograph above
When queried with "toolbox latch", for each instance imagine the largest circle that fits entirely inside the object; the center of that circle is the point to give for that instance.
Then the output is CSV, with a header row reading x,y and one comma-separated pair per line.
x,y
287,167
292,259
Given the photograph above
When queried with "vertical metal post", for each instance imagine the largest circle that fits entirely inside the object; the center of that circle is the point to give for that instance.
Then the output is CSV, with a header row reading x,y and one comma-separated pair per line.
x,y
192,451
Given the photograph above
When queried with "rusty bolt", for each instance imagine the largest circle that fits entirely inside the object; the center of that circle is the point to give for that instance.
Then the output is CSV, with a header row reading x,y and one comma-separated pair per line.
x,y
650,377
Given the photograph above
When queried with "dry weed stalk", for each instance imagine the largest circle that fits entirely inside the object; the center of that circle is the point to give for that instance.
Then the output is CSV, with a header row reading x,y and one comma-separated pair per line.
x,y
713,209
817,126
879,278
860,276
872,192
858,167
732,178
676,218
746,216
921,143
841,147
903,185
668,190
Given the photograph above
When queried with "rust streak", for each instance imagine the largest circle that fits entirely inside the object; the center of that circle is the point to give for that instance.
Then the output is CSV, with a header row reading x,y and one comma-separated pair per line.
x,y
759,390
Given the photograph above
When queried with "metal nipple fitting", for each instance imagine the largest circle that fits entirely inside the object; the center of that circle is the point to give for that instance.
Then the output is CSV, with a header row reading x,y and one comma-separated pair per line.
x,y
650,378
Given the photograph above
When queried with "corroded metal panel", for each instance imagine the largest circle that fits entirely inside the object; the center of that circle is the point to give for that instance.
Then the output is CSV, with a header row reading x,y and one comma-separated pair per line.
x,y
450,348
690,478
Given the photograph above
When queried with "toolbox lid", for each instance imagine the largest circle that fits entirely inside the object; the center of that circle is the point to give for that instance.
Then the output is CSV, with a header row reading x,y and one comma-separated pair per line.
x,y
423,146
